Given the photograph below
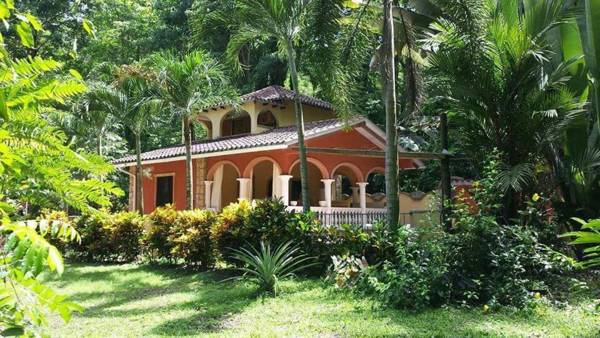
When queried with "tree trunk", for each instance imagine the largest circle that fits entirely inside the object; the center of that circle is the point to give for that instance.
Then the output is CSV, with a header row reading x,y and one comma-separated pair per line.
x,y
139,201
99,143
188,162
300,127
388,73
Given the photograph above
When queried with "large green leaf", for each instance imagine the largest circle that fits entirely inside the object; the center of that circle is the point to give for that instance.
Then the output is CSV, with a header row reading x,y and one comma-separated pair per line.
x,y
592,16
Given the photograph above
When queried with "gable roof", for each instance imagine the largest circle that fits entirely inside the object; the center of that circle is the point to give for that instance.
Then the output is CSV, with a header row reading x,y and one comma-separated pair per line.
x,y
278,94
277,137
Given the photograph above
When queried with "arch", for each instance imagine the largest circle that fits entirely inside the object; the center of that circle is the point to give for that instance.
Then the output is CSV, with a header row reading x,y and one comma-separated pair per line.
x,y
376,182
211,172
322,168
235,122
267,119
355,170
256,161
316,172
374,170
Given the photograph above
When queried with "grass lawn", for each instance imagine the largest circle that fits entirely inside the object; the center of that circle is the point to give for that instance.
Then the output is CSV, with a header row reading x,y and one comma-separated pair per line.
x,y
145,301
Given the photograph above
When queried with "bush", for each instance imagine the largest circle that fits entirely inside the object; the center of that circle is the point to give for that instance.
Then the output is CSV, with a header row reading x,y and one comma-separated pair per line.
x,y
156,233
124,231
109,237
190,237
415,278
229,231
95,244
479,261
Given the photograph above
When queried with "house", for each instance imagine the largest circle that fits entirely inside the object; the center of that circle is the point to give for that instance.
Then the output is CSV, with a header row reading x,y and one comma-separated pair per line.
x,y
251,153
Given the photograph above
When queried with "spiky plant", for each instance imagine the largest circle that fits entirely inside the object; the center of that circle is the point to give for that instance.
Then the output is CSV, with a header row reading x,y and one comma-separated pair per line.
x,y
268,266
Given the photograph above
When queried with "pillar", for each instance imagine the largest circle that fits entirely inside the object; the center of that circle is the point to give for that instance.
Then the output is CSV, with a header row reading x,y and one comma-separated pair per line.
x,y
327,183
244,188
207,193
285,188
362,186
355,197
200,200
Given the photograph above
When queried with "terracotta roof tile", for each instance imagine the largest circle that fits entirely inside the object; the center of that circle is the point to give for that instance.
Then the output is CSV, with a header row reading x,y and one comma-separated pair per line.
x,y
277,136
278,93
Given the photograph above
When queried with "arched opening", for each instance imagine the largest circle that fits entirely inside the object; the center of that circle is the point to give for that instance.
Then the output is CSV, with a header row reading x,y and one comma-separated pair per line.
x,y
225,189
376,180
235,123
315,186
262,180
266,120
345,191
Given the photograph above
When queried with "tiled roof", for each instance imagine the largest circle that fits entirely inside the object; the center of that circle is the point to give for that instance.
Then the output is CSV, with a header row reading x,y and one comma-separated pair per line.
x,y
277,136
278,93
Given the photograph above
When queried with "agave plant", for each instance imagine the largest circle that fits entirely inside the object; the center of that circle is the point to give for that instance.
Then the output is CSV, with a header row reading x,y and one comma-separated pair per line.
x,y
267,266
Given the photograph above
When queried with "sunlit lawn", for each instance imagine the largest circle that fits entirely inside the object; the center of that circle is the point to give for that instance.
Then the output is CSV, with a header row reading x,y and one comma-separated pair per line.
x,y
145,301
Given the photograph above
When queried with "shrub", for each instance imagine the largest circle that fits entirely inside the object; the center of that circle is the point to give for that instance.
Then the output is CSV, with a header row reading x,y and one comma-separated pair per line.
x,y
95,244
124,231
109,237
229,230
156,232
415,277
479,261
268,221
190,237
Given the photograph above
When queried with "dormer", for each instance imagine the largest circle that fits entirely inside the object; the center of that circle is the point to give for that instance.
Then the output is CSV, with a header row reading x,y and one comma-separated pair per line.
x,y
261,110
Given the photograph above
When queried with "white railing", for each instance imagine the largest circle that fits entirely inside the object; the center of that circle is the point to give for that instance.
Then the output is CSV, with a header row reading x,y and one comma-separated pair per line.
x,y
336,216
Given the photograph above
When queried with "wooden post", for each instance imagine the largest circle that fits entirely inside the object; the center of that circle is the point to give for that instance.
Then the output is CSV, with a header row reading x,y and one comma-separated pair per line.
x,y
445,171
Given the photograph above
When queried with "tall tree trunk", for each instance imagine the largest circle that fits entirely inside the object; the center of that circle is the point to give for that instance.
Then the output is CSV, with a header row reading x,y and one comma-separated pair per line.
x,y
139,201
388,73
99,143
189,193
300,127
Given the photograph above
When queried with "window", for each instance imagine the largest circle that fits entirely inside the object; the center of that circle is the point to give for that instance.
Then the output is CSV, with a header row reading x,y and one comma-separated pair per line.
x,y
267,119
164,190
235,123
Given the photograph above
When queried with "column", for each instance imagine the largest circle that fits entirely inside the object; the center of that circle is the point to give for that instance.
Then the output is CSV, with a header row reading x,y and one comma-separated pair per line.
x,y
207,194
244,188
327,183
285,188
355,197
362,186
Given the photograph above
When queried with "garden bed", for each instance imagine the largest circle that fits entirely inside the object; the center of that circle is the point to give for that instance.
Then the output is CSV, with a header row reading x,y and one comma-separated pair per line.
x,y
140,300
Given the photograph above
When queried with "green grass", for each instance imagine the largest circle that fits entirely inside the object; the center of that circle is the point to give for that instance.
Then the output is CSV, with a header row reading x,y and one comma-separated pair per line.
x,y
146,301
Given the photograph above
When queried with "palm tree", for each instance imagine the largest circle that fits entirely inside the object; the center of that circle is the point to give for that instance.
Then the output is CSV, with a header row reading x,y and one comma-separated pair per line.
x,y
498,82
132,99
388,74
93,112
188,84
285,21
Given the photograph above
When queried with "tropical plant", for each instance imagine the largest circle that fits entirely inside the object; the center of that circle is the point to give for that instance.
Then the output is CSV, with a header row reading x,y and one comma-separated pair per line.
x,y
589,235
188,84
499,86
37,169
25,255
132,99
285,22
268,266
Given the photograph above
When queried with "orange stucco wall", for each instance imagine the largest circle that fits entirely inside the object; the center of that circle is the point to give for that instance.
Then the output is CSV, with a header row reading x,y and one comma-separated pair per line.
x,y
177,168
285,158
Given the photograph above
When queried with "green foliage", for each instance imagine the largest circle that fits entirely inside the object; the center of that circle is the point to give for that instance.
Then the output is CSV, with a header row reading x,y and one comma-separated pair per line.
x,y
190,238
589,235
229,231
415,277
110,237
480,261
25,255
268,266
156,232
